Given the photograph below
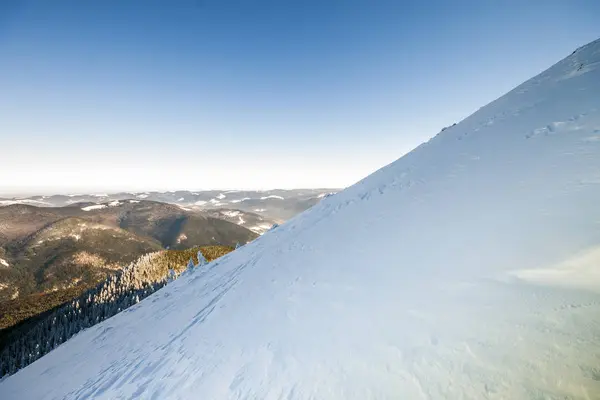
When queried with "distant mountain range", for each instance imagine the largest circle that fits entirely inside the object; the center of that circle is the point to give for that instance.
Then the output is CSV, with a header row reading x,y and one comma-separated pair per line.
x,y
59,246
274,205
49,249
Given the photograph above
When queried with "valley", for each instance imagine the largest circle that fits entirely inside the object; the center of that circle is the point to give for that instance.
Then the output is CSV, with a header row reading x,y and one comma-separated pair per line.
x,y
49,249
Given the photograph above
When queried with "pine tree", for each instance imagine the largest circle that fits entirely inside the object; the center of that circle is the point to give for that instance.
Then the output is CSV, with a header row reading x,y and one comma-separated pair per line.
x,y
172,276
201,259
116,293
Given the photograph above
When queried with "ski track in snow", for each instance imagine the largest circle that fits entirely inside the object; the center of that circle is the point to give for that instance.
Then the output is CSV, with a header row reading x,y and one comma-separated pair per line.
x,y
464,270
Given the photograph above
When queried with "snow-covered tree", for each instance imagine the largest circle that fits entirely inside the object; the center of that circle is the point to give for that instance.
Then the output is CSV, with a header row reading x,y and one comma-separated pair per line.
x,y
201,260
116,293
172,275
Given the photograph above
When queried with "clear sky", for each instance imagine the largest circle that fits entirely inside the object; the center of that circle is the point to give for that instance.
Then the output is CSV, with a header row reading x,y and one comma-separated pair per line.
x,y
161,95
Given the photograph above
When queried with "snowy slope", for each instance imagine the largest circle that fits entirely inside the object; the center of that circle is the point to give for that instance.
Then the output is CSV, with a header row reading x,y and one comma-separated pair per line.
x,y
467,269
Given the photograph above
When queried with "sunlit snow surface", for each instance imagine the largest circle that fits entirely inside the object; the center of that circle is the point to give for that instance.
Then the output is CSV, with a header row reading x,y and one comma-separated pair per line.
x,y
465,270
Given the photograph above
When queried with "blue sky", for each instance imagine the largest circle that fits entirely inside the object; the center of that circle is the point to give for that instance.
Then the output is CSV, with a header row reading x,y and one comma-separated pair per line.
x,y
156,95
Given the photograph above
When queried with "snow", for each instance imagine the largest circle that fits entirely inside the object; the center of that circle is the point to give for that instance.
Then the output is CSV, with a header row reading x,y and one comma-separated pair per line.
x,y
142,196
260,209
272,197
439,276
260,228
100,195
233,214
240,200
4,262
581,270
115,203
221,196
134,201
37,203
200,203
182,236
94,207
323,195
180,199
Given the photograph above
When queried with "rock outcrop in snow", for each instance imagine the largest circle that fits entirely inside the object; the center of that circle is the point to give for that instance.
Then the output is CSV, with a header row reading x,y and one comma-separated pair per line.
x,y
428,279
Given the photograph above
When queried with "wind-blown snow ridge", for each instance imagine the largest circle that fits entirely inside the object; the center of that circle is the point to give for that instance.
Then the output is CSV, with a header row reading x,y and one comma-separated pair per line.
x,y
433,278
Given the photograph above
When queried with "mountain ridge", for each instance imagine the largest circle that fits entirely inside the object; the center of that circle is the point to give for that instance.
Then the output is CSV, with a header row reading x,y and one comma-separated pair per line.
x,y
50,248
273,204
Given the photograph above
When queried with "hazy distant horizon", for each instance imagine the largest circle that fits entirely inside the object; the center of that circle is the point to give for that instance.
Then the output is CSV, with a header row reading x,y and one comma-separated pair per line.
x,y
51,192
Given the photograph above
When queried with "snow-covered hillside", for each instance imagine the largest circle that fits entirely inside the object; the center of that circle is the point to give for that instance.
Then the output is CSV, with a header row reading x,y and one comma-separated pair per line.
x,y
467,269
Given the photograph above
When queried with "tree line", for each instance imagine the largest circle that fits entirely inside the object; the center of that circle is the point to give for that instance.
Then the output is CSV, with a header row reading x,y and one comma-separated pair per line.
x,y
118,292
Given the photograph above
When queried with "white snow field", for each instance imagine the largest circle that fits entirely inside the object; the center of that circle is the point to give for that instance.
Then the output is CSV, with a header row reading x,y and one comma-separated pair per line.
x,y
467,269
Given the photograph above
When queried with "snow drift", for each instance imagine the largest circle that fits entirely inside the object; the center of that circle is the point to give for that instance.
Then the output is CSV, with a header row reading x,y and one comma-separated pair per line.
x,y
466,269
